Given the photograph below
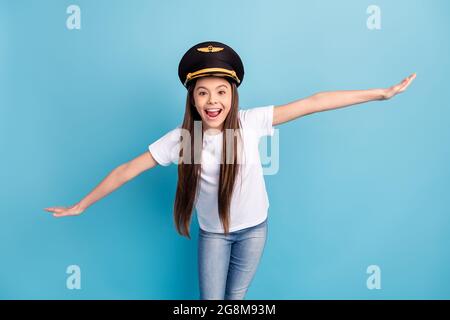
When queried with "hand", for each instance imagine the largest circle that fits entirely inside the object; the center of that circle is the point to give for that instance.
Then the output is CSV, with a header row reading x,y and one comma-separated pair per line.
x,y
74,210
398,88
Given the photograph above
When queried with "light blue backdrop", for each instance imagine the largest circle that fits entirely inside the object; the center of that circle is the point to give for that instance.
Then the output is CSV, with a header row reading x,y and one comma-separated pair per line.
x,y
359,186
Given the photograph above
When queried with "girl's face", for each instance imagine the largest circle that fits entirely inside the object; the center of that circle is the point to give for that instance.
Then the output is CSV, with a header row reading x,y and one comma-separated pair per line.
x,y
212,99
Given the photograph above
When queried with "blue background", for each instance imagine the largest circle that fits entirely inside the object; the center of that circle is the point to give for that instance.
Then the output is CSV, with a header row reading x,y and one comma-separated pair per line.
x,y
358,186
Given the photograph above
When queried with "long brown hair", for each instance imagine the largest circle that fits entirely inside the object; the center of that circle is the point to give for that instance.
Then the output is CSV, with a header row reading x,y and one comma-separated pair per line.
x,y
189,173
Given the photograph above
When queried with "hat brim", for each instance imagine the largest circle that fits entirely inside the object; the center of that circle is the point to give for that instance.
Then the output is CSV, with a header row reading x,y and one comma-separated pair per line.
x,y
219,72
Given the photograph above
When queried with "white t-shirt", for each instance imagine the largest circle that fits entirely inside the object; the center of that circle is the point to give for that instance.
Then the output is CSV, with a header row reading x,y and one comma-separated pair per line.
x,y
249,202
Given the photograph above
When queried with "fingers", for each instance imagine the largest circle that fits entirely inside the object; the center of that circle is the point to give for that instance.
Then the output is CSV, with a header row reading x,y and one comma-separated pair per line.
x,y
55,209
410,78
407,81
58,215
59,211
404,84
64,214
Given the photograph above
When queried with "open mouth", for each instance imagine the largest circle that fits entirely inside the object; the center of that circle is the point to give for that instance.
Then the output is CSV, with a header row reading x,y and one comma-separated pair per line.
x,y
213,113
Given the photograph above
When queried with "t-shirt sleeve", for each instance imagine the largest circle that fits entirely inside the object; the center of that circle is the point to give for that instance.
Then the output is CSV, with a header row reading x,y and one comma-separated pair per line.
x,y
166,149
259,119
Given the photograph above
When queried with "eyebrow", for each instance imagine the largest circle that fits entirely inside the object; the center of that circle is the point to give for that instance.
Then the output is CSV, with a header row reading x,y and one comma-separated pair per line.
x,y
222,85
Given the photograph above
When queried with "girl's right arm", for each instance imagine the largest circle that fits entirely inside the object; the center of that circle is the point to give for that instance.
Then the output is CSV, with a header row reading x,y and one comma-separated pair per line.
x,y
111,182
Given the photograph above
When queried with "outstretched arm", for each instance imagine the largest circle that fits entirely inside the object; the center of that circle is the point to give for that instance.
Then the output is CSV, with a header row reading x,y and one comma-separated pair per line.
x,y
113,180
329,100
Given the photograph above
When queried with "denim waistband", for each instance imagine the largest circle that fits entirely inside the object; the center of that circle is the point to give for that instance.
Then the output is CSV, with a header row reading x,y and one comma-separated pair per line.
x,y
259,225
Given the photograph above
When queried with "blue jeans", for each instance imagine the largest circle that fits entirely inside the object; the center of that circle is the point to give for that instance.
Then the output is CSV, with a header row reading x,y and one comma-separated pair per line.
x,y
227,263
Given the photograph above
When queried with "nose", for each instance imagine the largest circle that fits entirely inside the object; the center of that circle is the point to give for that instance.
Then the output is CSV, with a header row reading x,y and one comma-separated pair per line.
x,y
212,99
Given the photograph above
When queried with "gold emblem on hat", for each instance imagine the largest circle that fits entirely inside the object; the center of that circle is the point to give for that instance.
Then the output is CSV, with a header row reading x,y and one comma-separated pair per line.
x,y
210,48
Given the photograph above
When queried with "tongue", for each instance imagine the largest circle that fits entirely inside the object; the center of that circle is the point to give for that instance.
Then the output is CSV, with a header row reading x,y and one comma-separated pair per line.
x,y
212,114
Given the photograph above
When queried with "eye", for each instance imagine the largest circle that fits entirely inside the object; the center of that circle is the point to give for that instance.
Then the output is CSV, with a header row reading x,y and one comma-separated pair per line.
x,y
222,92
202,93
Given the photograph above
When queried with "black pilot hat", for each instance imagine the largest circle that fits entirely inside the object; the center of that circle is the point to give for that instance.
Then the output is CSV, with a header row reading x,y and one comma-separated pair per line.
x,y
210,58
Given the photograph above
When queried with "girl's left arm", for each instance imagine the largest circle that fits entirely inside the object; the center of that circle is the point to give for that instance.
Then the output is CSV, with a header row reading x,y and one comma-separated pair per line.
x,y
329,100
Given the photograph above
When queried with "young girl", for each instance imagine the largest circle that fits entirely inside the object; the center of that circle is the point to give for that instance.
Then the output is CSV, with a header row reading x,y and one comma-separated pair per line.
x,y
219,169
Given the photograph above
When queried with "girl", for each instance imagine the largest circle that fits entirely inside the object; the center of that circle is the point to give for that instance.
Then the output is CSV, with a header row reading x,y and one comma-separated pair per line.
x,y
219,169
